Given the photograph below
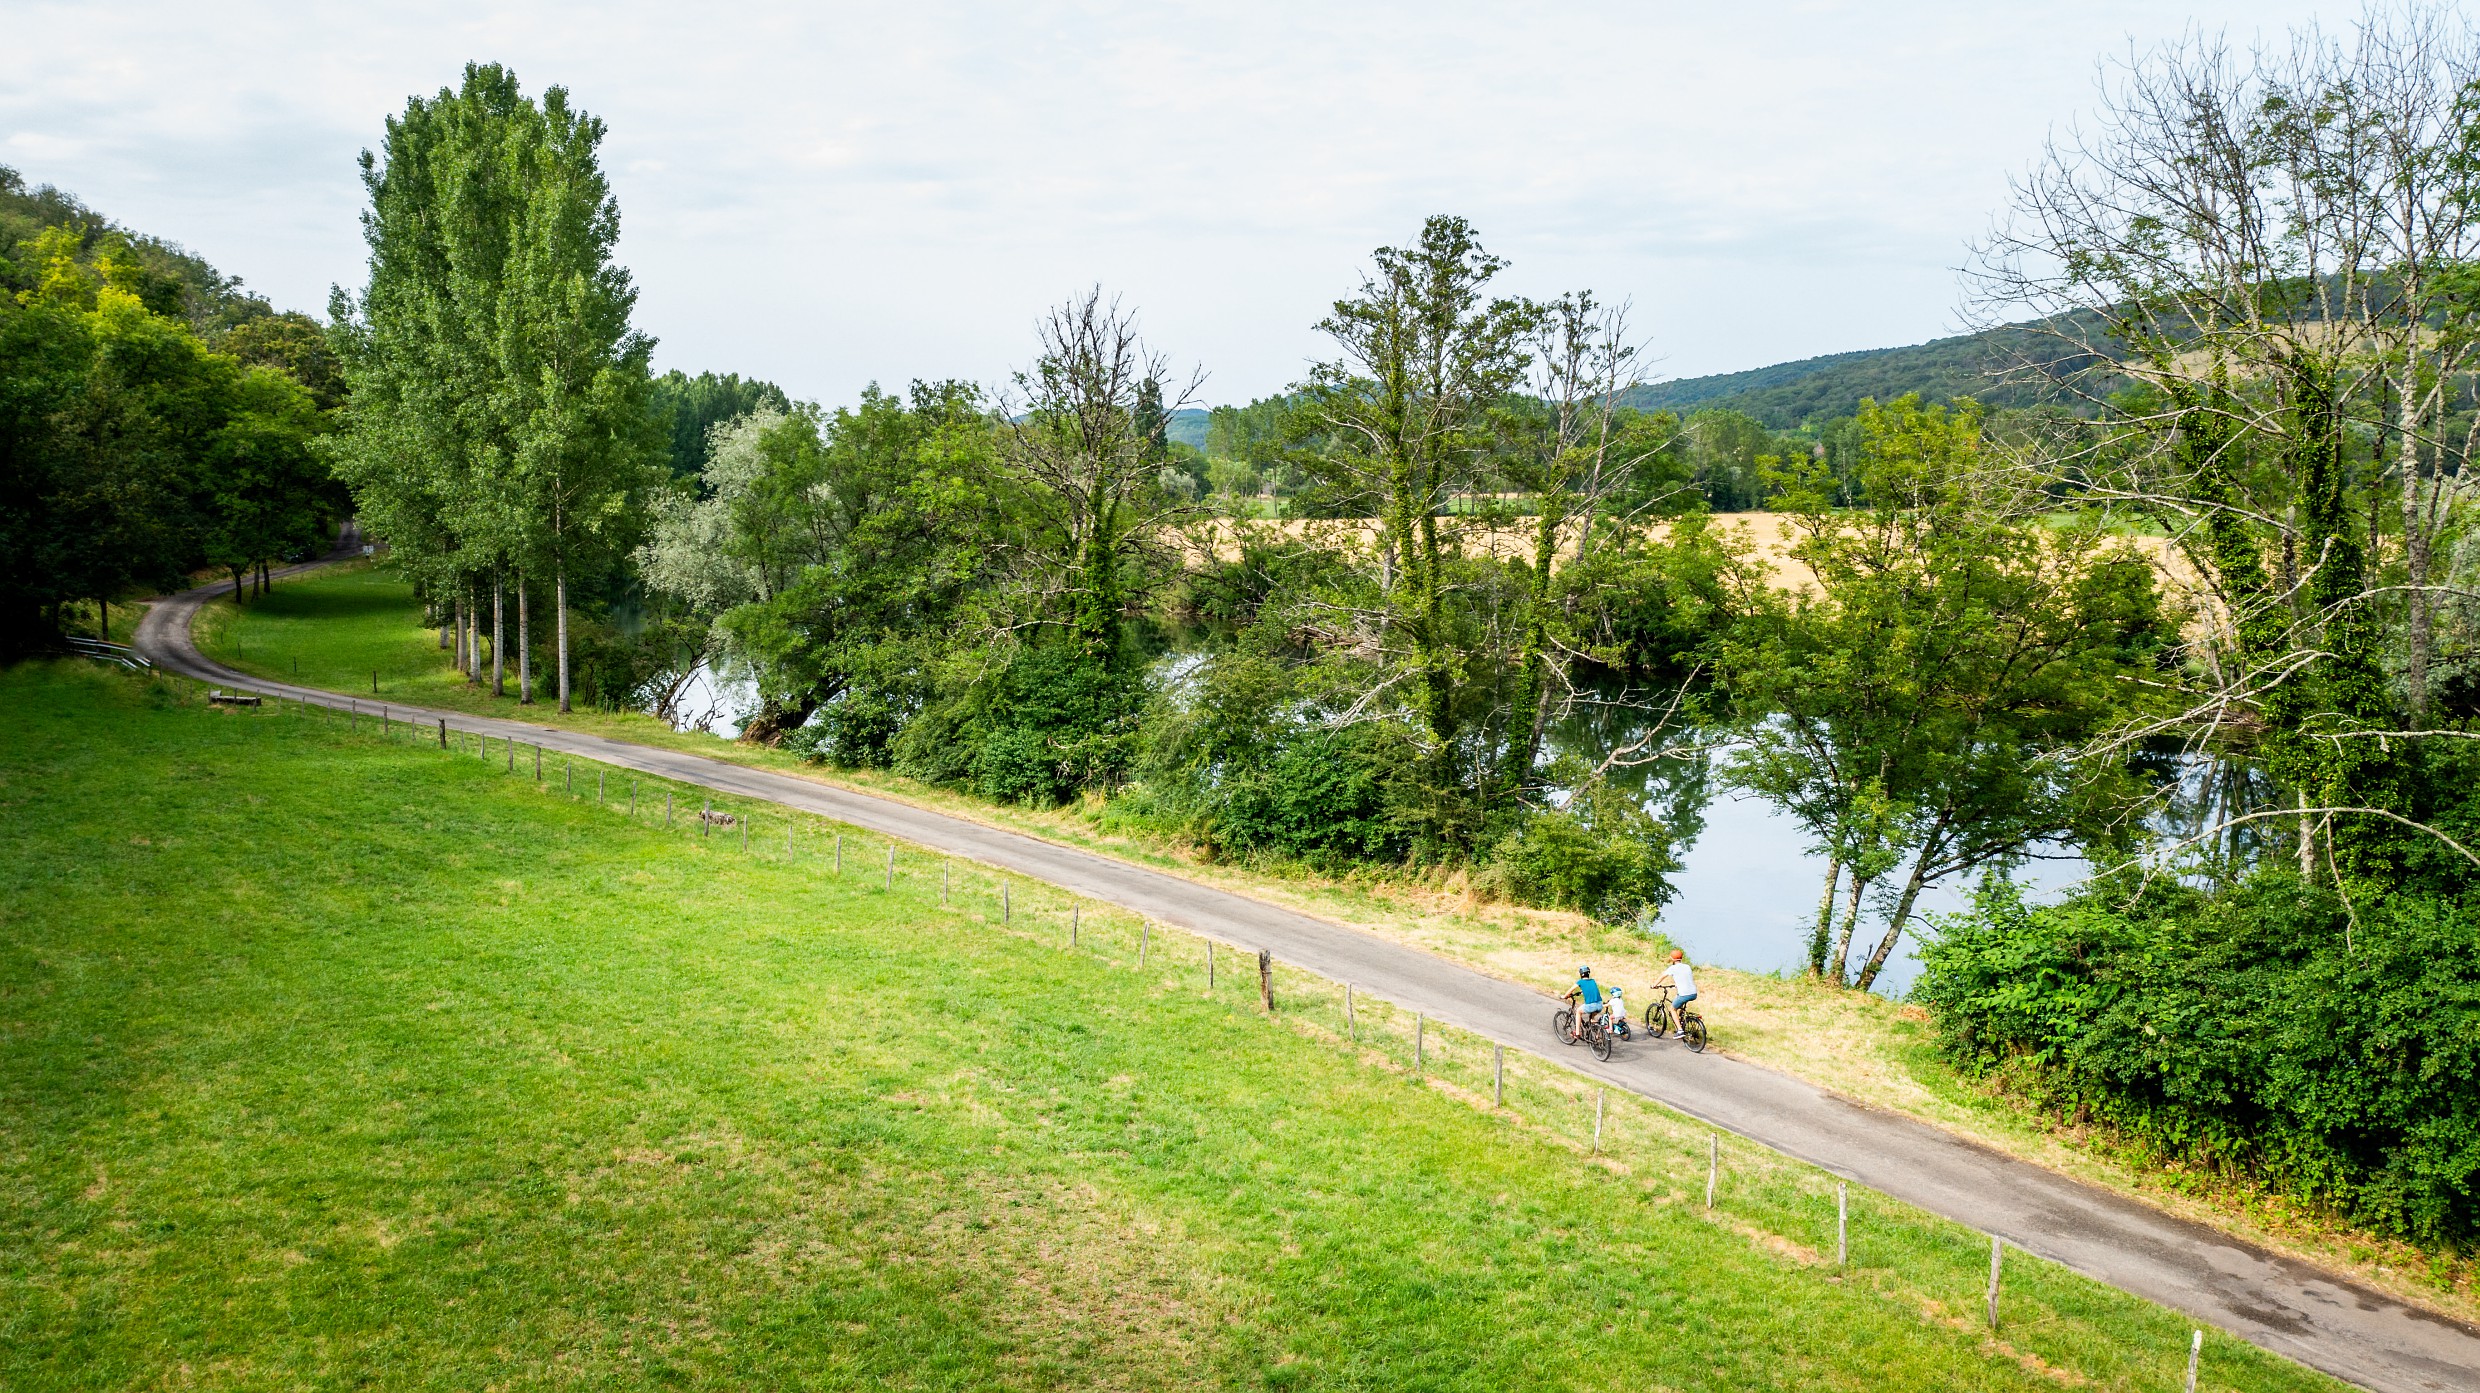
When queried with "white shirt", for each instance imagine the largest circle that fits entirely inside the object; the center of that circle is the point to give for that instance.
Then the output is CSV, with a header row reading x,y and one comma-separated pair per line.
x,y
1683,980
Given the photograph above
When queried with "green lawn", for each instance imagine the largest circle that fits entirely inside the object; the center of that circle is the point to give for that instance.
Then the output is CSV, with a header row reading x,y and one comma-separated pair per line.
x,y
330,1059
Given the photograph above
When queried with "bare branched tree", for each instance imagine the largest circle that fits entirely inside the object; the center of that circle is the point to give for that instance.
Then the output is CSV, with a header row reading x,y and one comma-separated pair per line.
x,y
2273,249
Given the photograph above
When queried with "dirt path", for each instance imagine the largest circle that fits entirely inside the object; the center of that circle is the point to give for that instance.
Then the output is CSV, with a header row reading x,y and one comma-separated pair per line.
x,y
2288,1307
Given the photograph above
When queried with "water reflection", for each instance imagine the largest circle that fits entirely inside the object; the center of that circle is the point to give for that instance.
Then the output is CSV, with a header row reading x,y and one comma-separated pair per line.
x,y
1749,881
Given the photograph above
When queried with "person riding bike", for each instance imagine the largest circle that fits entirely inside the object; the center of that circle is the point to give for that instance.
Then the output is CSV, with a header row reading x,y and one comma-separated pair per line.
x,y
1587,995
1681,979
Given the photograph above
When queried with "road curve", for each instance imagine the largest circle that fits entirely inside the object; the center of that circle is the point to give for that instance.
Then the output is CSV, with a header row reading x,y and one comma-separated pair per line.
x,y
2321,1320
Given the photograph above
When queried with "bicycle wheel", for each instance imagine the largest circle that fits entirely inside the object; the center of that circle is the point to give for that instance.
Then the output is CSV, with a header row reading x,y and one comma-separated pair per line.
x,y
1602,1040
1563,1021
1658,1019
1694,1025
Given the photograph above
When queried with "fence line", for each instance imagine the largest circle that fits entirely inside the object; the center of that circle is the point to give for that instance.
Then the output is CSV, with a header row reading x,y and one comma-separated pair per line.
x,y
1773,1192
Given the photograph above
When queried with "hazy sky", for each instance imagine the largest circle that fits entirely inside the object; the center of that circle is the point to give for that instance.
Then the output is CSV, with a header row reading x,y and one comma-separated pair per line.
x,y
828,195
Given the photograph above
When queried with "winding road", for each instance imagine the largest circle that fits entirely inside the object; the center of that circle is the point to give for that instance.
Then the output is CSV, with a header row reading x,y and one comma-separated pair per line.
x,y
2323,1321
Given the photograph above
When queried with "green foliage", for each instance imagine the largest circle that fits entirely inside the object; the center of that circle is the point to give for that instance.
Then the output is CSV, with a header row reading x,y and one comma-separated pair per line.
x,y
687,410
1928,702
2272,1032
1599,853
129,452
170,282
1054,722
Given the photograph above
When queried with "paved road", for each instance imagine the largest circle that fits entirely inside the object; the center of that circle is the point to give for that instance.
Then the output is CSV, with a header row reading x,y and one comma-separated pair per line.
x,y
2290,1308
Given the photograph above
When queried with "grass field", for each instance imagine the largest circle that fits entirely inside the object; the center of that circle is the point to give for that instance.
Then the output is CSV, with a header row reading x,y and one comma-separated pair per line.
x,y
338,1060
338,627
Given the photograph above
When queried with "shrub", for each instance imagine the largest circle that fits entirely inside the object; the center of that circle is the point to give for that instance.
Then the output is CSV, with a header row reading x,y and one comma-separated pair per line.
x,y
1601,854
2262,1032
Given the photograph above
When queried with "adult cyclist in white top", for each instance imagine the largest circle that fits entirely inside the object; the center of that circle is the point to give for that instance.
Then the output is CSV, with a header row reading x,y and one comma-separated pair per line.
x,y
1681,979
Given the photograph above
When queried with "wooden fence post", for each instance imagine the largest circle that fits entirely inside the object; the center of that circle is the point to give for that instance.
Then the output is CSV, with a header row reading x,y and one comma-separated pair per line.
x,y
891,866
744,821
1351,1022
1597,1119
1842,1223
1997,1259
538,763
1265,978
947,872
1420,1041
1713,1165
1347,991
1145,930
839,853
443,732
1072,924
706,817
1007,911
598,786
1498,1076
2195,1352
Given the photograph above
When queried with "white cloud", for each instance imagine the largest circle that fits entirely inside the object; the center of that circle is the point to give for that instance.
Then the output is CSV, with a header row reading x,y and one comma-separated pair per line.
x,y
831,195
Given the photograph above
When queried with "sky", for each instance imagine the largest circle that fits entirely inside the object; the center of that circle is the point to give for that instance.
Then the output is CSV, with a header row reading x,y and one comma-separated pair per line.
x,y
829,195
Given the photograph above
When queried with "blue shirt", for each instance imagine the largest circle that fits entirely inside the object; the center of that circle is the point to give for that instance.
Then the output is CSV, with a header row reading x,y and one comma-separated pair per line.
x,y
1591,990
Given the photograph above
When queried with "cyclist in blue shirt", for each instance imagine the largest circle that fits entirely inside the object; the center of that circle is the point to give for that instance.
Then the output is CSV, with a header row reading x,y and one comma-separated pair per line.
x,y
1587,994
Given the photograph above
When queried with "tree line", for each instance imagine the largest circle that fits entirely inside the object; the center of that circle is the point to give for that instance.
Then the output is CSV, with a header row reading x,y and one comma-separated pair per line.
x,y
154,420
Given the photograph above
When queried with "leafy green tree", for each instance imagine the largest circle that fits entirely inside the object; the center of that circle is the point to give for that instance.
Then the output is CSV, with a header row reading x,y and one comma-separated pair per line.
x,y
1407,411
1921,709
572,374
132,452
499,417
688,409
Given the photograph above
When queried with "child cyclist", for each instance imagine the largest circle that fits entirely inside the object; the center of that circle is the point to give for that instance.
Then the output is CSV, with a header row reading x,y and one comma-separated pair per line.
x,y
1681,979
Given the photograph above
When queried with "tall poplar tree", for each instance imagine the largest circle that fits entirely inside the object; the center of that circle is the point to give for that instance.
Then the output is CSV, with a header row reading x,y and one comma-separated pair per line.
x,y
499,415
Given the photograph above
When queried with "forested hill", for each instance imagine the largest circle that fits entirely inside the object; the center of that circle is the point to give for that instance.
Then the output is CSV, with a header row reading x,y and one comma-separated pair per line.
x,y
1786,395
170,280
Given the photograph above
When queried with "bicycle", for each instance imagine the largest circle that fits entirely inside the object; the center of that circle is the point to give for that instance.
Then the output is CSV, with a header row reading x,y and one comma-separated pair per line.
x,y
1596,1033
1661,1020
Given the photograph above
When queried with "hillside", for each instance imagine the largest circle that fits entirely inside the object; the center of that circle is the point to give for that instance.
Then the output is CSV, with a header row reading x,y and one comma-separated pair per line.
x,y
171,280
1787,395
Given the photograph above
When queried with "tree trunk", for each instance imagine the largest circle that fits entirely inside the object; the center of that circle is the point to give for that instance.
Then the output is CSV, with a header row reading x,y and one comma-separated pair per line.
x,y
525,648
1894,923
559,587
499,641
473,639
236,585
773,723
1818,937
103,619
2418,621
1851,921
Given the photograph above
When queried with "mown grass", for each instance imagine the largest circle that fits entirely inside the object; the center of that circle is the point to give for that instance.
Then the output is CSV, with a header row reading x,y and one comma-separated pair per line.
x,y
333,1059
339,626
